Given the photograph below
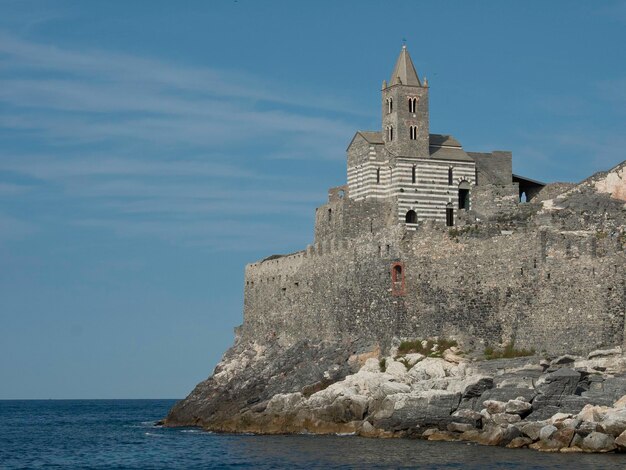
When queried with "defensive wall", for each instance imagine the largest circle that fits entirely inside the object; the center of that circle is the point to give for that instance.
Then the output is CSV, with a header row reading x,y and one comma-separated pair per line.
x,y
541,278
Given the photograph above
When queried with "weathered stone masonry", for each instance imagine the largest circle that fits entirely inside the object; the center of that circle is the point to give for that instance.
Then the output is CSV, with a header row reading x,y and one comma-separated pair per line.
x,y
547,274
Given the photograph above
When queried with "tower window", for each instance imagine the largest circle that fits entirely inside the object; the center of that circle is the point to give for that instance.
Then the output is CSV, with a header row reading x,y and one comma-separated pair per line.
x,y
413,132
389,133
389,105
377,175
412,105
411,217
330,214
413,174
397,279
450,177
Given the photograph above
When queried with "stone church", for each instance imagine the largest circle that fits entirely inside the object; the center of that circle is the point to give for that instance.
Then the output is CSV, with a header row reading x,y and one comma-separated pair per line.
x,y
427,176
428,239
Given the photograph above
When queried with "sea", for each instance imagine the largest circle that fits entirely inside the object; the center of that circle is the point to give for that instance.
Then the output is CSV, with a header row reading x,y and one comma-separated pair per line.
x,y
115,434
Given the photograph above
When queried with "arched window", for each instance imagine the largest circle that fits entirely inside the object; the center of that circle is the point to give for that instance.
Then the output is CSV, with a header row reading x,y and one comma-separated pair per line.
x,y
397,279
464,195
389,105
413,174
330,214
411,217
412,105
413,132
450,177
377,175
389,133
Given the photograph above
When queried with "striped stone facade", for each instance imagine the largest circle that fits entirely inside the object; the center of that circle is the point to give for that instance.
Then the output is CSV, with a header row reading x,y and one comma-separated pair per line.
x,y
417,171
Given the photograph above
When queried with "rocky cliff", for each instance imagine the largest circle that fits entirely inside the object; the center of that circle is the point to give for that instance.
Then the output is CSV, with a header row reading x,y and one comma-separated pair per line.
x,y
470,349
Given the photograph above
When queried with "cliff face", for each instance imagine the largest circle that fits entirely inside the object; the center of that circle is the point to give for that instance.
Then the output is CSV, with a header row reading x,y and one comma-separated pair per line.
x,y
320,349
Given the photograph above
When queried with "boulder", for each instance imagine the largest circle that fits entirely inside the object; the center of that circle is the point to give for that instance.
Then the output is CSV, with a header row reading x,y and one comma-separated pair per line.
x,y
494,406
505,418
546,432
500,394
532,429
586,427
621,403
460,427
449,356
477,388
568,423
520,407
561,360
371,365
408,410
620,441
605,352
519,442
429,368
598,442
614,422
469,416
413,358
592,413
563,437
395,369
559,417
559,383
284,403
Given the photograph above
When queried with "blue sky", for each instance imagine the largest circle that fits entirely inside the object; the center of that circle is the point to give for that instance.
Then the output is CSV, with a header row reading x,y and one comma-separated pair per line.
x,y
148,150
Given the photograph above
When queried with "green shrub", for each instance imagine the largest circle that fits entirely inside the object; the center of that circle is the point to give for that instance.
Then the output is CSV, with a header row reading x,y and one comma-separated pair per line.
x,y
415,346
382,364
507,352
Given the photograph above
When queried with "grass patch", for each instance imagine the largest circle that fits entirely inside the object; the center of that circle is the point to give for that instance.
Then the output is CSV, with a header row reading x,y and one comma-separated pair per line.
x,y
464,230
382,364
431,348
508,352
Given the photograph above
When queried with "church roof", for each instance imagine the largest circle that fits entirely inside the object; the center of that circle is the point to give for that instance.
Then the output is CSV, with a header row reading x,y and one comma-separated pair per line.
x,y
372,137
404,72
446,147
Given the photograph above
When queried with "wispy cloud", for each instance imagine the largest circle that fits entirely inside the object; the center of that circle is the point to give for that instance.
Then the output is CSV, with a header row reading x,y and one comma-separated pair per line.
x,y
114,135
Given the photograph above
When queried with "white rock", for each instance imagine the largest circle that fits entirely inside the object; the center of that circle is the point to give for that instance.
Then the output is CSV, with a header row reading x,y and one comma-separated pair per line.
x,y
449,356
605,352
391,388
518,407
413,358
429,368
371,365
621,403
592,413
546,432
494,406
395,368
284,402
558,417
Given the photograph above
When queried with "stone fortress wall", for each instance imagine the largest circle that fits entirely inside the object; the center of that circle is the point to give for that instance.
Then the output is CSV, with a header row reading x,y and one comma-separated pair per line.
x,y
547,274
535,277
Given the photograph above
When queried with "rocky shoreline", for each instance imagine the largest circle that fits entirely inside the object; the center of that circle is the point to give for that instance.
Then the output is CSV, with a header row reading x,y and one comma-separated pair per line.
x,y
563,404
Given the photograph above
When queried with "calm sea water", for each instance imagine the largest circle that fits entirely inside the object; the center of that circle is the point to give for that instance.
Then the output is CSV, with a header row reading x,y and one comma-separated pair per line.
x,y
121,434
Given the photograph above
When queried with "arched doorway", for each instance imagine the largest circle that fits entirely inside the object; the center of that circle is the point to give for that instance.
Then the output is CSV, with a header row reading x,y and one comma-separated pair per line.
x,y
464,195
411,217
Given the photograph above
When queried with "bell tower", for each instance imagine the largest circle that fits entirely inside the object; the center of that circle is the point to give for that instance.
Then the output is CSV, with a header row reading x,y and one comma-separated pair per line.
x,y
405,119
